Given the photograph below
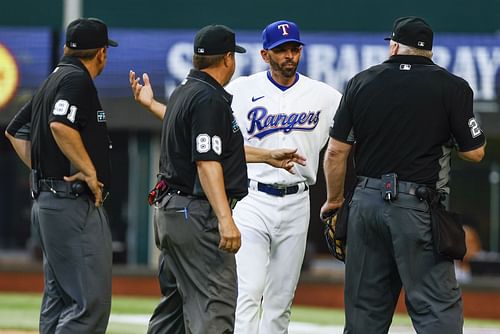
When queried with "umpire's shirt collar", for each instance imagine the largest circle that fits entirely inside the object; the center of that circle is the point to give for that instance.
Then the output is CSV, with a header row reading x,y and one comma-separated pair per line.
x,y
68,60
207,79
405,59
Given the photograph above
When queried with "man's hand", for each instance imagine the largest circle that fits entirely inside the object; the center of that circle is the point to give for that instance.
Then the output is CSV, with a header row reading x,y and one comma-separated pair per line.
x,y
286,158
212,181
94,185
329,208
70,143
230,237
143,94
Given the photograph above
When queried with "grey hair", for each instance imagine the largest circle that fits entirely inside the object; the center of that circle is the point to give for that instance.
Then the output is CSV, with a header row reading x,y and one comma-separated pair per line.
x,y
411,51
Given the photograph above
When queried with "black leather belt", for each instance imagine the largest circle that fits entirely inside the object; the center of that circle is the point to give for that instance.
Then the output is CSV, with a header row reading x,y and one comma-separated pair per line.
x,y
232,201
182,193
63,188
279,191
403,186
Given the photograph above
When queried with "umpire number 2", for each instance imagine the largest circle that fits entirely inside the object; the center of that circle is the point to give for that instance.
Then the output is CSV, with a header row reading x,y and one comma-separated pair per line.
x,y
204,144
475,130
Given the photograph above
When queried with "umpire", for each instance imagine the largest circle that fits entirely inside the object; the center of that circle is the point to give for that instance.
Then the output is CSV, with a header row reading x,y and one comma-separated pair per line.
x,y
403,114
203,162
61,135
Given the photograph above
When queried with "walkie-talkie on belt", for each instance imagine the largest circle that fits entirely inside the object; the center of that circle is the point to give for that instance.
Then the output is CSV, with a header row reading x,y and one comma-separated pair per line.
x,y
389,186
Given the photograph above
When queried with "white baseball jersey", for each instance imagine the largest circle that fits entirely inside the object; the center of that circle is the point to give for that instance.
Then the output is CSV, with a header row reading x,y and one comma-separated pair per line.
x,y
299,117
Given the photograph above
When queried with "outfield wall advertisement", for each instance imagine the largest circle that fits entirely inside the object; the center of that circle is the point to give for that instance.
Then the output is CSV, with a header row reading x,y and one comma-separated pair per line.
x,y
25,59
166,56
333,58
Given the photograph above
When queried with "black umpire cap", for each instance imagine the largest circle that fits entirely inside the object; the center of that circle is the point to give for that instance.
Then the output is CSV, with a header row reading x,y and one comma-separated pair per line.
x,y
91,33
412,31
216,39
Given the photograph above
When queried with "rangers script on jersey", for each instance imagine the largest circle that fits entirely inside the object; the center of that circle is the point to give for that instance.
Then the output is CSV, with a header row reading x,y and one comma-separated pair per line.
x,y
299,117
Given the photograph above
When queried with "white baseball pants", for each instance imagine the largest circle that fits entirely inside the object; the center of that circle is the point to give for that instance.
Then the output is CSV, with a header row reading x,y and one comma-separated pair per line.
x,y
273,231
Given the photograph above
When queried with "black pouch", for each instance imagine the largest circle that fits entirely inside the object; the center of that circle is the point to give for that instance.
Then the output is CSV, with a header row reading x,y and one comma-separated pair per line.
x,y
448,234
79,187
447,231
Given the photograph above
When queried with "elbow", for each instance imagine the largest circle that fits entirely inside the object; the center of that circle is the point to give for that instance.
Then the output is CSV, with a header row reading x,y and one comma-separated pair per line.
x,y
55,126
474,156
478,156
337,150
60,129
8,136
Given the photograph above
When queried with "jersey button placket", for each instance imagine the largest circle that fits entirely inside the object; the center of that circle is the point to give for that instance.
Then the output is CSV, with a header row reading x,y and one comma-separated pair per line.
x,y
283,110
281,142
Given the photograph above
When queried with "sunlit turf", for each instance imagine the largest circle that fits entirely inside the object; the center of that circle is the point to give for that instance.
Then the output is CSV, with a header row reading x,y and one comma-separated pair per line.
x,y
21,312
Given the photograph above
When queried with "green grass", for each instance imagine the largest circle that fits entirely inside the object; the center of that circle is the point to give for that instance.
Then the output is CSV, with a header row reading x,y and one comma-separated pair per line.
x,y
133,305
21,312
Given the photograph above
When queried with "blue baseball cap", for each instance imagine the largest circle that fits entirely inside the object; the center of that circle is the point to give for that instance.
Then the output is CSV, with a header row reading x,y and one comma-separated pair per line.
x,y
280,32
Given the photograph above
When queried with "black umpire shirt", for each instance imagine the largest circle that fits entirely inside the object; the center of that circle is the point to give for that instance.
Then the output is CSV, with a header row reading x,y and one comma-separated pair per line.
x,y
405,115
199,126
68,96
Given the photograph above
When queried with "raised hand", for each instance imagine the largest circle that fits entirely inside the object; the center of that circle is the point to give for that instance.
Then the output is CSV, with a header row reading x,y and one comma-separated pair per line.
x,y
143,94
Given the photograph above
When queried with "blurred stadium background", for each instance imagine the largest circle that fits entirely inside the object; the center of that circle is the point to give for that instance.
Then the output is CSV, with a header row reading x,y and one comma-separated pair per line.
x,y
341,39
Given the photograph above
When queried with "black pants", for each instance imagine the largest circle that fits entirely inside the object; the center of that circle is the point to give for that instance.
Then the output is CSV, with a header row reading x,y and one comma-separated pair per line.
x,y
390,246
76,243
197,279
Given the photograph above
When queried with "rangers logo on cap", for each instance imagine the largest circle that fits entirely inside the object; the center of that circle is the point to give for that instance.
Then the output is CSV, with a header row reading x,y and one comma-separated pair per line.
x,y
280,32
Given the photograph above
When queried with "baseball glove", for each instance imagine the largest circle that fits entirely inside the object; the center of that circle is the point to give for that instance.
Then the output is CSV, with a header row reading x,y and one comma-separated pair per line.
x,y
335,245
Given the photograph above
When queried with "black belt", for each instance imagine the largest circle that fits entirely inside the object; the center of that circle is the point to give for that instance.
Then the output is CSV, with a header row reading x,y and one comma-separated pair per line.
x,y
232,201
403,186
63,188
279,191
171,191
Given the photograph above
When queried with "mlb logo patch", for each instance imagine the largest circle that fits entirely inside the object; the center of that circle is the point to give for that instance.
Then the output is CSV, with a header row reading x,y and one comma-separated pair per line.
x,y
235,126
101,116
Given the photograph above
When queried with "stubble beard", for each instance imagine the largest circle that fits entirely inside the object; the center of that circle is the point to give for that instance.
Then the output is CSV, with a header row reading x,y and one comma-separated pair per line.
x,y
283,69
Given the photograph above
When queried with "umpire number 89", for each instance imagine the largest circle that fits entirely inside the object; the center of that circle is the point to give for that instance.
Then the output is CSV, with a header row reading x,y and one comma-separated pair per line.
x,y
205,143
